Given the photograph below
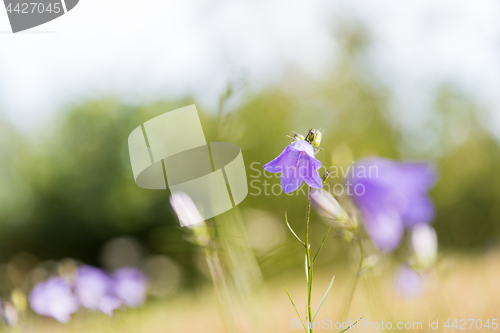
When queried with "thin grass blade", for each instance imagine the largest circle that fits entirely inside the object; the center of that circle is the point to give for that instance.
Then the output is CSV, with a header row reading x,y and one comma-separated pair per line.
x,y
324,297
293,232
351,325
323,242
296,311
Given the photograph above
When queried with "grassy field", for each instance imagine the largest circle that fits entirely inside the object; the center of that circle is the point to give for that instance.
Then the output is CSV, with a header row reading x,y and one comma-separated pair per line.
x,y
459,288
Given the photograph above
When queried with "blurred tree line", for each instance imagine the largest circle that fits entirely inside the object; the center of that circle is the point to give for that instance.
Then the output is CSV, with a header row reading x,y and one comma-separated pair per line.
x,y
68,193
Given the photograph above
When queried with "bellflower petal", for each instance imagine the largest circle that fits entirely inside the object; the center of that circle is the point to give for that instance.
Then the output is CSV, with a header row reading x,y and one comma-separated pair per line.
x,y
287,157
420,211
314,180
290,180
303,146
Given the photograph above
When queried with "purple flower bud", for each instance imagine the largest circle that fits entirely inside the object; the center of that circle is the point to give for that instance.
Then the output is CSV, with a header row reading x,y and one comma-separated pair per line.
x,y
392,196
91,285
328,207
53,298
130,286
296,163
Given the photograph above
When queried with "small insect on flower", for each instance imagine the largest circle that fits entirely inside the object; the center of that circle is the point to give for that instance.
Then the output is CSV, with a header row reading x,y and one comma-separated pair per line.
x,y
297,163
325,176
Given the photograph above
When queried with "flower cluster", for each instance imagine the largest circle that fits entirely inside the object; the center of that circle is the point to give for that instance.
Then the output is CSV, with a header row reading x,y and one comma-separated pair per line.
x,y
90,288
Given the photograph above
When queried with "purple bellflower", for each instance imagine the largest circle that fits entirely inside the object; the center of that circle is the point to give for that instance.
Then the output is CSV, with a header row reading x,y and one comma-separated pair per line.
x,y
296,163
93,288
53,298
130,286
392,196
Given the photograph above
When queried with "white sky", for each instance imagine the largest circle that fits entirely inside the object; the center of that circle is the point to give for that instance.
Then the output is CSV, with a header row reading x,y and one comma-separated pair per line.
x,y
156,48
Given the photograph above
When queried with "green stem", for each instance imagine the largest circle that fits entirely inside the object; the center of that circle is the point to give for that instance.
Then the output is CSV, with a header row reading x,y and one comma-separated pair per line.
x,y
354,286
308,261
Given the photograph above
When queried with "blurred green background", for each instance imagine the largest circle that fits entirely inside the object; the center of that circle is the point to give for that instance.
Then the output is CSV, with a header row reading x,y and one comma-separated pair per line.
x,y
406,81
67,189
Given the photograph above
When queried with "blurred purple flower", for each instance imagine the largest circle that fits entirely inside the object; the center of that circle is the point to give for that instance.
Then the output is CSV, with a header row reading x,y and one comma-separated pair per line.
x,y
130,286
408,282
53,298
91,285
392,196
296,163
93,288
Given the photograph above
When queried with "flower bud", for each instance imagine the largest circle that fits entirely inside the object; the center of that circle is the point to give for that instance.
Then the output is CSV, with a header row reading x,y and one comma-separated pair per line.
x,y
314,137
298,137
190,217
329,208
185,209
424,244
